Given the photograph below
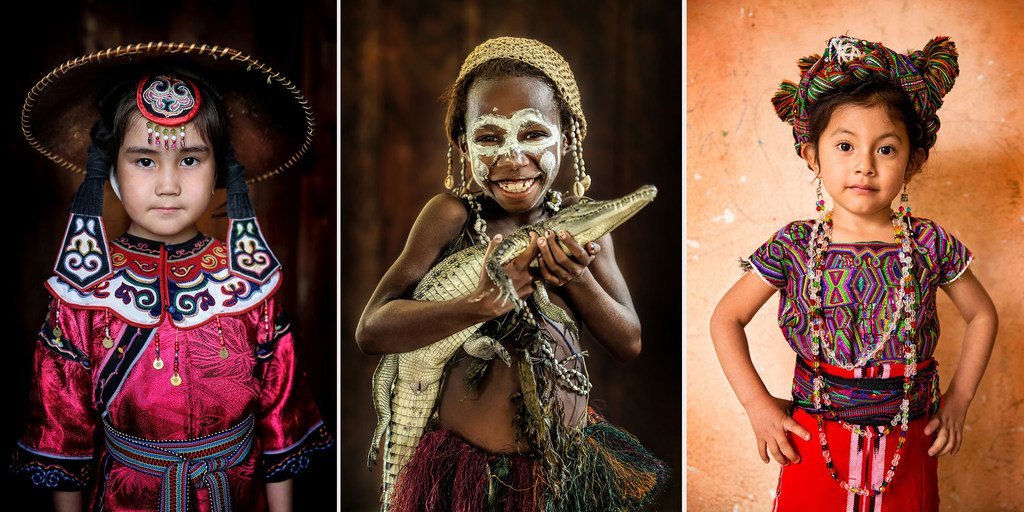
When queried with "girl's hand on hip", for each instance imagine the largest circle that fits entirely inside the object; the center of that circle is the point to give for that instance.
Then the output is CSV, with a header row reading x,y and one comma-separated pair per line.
x,y
558,267
771,421
949,423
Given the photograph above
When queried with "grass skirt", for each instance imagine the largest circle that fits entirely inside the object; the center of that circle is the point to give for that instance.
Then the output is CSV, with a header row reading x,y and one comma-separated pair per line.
x,y
610,471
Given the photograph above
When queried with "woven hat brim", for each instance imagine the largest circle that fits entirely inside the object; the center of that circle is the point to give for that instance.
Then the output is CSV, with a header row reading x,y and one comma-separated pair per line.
x,y
270,121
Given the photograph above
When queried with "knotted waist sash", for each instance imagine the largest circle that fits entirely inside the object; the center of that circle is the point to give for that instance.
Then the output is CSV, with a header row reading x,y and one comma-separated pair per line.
x,y
199,462
868,396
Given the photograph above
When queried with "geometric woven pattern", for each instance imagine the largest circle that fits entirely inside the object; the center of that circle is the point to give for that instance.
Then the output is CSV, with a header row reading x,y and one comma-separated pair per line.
x,y
858,286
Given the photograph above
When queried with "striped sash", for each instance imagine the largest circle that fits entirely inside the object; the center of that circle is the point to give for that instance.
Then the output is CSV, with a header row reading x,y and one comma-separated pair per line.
x,y
199,462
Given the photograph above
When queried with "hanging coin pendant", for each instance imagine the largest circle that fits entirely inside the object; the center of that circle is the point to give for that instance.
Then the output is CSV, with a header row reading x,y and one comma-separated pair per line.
x,y
158,363
223,352
108,343
175,380
57,333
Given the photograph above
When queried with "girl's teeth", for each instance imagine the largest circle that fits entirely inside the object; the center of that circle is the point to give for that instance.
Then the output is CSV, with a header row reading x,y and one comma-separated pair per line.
x,y
515,186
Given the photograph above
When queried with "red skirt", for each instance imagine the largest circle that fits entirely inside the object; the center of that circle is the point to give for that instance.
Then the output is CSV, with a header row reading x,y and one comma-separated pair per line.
x,y
863,462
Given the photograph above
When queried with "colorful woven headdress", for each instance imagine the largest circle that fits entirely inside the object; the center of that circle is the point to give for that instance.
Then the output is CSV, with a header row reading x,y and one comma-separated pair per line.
x,y
925,76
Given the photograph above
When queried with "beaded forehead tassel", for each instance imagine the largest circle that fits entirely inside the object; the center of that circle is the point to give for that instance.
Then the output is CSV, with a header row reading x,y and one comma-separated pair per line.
x,y
167,102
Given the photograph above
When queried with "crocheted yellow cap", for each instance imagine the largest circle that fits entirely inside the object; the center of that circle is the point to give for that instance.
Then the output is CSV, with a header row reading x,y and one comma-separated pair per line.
x,y
536,54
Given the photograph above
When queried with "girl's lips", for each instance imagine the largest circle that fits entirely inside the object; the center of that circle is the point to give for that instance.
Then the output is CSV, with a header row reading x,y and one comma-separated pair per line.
x,y
861,189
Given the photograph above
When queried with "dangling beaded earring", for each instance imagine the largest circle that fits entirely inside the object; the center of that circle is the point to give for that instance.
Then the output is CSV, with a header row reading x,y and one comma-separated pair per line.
x,y
463,175
449,182
904,202
582,183
819,205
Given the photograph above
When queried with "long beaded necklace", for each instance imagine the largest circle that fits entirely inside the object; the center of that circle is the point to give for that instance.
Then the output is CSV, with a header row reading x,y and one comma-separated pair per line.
x,y
905,304
573,378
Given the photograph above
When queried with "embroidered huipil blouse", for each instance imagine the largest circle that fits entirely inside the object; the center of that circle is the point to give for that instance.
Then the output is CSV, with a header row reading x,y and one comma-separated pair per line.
x,y
94,365
859,291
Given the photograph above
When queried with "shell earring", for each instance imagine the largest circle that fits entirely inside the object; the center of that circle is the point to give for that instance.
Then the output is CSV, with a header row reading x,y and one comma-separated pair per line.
x,y
582,183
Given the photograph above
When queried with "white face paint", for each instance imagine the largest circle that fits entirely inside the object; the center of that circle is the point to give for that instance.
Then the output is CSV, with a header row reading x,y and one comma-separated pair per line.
x,y
506,130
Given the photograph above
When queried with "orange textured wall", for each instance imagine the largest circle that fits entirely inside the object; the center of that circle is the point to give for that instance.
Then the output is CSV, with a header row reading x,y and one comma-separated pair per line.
x,y
744,181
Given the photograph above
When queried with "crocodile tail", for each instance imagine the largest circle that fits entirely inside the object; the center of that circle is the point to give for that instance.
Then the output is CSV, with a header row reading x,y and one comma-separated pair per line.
x,y
383,380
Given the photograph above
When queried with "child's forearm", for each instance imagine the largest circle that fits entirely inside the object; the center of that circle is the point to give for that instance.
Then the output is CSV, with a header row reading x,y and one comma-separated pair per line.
x,y
613,324
67,501
979,338
733,351
402,325
279,496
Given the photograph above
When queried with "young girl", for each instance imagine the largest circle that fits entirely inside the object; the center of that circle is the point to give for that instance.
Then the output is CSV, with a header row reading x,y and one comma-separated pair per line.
x,y
858,289
165,372
514,113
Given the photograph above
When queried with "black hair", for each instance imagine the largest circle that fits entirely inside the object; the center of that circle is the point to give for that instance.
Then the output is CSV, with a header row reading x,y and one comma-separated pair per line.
x,y
868,94
456,97
118,106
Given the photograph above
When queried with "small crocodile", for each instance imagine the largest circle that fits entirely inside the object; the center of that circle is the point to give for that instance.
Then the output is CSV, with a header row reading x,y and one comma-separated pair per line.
x,y
406,385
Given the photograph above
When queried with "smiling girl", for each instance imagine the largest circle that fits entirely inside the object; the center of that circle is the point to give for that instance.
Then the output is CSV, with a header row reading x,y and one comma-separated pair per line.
x,y
165,371
514,113
857,293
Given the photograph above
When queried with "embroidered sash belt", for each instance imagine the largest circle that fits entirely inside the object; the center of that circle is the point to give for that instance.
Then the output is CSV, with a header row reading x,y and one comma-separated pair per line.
x,y
198,462
870,395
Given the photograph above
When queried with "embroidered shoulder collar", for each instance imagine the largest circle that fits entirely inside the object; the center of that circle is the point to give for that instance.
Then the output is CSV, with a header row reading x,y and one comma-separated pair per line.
x,y
187,283
141,246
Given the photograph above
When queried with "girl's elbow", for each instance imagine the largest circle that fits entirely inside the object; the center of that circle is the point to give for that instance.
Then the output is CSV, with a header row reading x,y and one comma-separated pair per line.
x,y
630,350
367,340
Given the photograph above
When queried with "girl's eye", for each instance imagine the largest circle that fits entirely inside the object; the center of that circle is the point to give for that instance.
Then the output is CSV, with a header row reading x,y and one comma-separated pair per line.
x,y
189,161
886,150
145,162
845,146
486,139
534,135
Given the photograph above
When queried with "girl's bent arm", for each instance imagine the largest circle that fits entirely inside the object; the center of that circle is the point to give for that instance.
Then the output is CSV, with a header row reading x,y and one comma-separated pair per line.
x,y
768,415
978,311
393,323
601,299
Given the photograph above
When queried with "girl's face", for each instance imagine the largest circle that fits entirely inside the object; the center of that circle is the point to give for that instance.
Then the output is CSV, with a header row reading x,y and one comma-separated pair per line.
x,y
864,158
164,191
514,140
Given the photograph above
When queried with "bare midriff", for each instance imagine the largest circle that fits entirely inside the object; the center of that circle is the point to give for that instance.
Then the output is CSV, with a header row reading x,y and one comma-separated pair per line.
x,y
484,416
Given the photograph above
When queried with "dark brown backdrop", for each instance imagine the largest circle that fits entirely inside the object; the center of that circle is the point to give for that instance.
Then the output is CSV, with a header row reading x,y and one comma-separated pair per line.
x,y
296,210
397,59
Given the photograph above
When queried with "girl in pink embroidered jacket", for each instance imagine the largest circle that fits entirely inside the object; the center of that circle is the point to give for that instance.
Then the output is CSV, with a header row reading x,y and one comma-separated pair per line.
x,y
857,293
165,371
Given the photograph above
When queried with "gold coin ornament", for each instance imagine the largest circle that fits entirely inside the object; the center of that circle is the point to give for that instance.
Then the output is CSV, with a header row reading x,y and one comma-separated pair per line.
x,y
223,352
108,343
57,333
175,380
158,363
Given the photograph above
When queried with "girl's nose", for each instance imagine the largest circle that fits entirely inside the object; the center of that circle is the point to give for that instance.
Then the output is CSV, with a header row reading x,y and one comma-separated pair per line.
x,y
865,165
167,182
515,157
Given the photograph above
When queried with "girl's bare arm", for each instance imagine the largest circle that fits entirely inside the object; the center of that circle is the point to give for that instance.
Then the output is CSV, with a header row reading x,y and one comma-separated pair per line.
x,y
768,415
977,309
597,292
393,323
